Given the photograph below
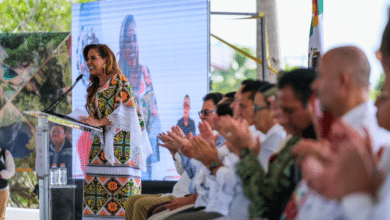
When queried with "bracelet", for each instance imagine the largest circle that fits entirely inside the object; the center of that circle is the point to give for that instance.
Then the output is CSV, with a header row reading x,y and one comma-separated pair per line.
x,y
244,152
213,166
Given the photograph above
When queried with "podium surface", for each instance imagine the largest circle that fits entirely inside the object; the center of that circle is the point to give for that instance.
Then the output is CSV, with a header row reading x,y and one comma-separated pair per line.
x,y
63,120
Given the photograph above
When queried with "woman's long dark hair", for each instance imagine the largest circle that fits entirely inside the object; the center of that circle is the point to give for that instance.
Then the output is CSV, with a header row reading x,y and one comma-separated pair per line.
x,y
112,68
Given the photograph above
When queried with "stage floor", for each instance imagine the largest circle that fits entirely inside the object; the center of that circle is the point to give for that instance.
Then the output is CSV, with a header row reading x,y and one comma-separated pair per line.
x,y
21,214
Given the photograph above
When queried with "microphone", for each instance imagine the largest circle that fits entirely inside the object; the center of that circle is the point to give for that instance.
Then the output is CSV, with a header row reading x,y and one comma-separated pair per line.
x,y
56,102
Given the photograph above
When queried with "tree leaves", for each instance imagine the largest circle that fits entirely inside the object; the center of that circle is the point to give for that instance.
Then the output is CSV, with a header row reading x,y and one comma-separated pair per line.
x,y
227,80
36,15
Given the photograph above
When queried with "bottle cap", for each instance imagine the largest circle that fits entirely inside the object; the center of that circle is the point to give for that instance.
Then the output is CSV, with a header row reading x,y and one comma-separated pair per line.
x,y
62,165
54,165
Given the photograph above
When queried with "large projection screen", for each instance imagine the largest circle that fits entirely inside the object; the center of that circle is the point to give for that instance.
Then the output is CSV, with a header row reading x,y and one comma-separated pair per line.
x,y
162,47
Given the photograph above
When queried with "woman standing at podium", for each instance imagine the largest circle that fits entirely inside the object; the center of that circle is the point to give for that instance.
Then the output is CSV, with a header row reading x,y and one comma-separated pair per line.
x,y
117,156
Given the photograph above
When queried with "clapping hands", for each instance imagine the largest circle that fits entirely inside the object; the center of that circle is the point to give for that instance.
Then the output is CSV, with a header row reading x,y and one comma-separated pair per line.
x,y
237,134
207,133
341,166
202,148
172,140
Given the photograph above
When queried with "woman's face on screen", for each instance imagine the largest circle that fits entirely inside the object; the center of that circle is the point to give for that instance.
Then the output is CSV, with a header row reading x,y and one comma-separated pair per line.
x,y
130,44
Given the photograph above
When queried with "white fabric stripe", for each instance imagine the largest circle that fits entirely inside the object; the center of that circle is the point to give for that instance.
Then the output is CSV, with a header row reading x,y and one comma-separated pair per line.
x,y
113,170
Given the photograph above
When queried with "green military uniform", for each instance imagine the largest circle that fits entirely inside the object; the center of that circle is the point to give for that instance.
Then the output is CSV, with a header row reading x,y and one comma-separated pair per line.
x,y
268,190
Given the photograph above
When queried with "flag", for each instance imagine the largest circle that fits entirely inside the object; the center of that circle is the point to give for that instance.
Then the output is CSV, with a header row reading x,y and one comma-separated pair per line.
x,y
316,38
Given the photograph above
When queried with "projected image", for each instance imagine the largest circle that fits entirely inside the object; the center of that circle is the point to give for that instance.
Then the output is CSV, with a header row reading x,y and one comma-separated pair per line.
x,y
86,36
141,83
162,48
34,71
186,124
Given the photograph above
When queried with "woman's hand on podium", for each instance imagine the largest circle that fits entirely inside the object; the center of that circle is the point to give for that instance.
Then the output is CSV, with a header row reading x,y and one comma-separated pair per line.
x,y
95,122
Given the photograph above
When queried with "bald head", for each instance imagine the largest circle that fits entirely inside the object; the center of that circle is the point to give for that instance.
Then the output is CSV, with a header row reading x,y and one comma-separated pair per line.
x,y
351,60
342,80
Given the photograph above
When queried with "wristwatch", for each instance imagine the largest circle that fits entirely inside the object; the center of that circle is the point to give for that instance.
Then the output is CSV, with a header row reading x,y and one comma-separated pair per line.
x,y
244,152
213,166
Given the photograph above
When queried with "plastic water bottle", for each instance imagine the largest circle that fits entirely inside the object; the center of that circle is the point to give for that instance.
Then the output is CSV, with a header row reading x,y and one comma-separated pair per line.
x,y
62,175
54,174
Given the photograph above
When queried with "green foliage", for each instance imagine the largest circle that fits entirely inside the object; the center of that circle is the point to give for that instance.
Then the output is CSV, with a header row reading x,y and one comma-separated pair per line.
x,y
53,77
10,118
36,15
26,50
241,58
21,16
377,87
27,162
288,68
28,102
224,81
21,186
380,83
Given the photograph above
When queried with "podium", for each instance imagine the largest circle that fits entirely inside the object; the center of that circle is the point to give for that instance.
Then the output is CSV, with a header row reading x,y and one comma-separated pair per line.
x,y
42,150
62,198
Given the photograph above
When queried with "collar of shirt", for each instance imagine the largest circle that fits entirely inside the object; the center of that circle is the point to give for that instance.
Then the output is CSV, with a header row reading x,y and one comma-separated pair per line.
x,y
220,141
256,133
364,115
356,116
275,129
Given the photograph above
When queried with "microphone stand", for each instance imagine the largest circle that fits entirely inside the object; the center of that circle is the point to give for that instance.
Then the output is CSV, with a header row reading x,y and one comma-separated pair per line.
x,y
56,102
50,110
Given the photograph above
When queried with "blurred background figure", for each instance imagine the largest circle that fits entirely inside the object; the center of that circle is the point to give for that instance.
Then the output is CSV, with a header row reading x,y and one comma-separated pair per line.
x,y
7,170
141,83
60,151
186,124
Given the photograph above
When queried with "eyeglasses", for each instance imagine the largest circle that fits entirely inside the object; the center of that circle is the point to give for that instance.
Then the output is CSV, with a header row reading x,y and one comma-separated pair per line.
x,y
206,112
259,108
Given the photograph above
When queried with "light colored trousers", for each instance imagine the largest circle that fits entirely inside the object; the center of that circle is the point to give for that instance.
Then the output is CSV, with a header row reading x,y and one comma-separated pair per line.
x,y
4,195
137,206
